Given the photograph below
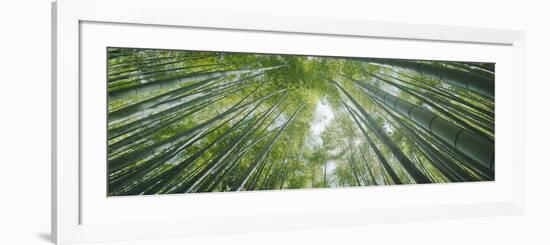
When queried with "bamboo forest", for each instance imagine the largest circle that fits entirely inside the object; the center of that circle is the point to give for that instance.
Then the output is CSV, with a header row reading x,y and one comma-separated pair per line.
x,y
203,121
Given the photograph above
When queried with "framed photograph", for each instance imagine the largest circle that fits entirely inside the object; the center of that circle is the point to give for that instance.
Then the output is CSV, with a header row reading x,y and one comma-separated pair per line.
x,y
171,125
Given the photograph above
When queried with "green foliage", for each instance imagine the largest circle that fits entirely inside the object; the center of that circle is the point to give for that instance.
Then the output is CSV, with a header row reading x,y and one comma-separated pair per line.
x,y
189,121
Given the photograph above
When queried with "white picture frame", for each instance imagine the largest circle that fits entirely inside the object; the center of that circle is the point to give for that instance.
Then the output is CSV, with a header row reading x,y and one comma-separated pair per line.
x,y
68,18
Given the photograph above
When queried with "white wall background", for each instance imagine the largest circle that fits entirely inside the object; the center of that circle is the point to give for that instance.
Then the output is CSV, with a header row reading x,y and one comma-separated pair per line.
x,y
25,122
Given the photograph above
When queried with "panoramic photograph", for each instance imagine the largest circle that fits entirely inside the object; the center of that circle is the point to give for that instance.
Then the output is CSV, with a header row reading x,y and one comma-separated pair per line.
x,y
184,121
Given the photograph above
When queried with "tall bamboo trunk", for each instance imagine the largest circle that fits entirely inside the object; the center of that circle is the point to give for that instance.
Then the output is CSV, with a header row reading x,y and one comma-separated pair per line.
x,y
464,141
384,163
411,169
148,87
467,80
